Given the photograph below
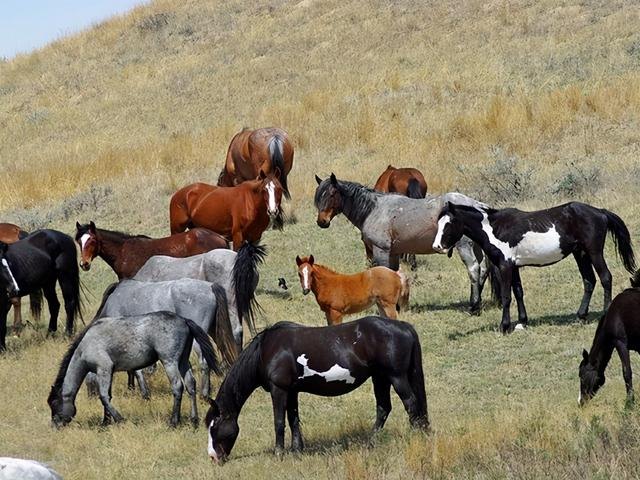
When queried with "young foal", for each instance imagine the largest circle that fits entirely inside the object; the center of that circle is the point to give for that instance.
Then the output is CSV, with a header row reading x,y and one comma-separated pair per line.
x,y
287,358
512,239
339,295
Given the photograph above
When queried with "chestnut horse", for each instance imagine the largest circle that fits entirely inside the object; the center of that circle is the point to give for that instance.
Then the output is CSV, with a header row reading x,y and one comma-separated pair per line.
x,y
126,254
250,151
241,213
339,295
407,181
10,233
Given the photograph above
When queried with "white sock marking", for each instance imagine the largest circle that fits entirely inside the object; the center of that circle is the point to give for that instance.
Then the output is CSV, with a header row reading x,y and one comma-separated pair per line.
x,y
335,374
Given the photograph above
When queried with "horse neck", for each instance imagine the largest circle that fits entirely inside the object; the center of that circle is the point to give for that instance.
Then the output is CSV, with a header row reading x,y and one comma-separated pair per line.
x,y
601,350
472,220
73,378
240,382
357,202
110,247
320,276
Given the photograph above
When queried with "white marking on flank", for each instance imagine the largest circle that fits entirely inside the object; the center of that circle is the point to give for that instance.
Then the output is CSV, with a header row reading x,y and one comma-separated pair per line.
x,y
334,374
305,278
437,242
210,449
13,279
519,326
84,239
271,190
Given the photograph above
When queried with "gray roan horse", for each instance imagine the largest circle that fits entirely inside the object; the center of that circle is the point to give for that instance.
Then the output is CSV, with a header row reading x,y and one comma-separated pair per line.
x,y
196,300
395,225
128,343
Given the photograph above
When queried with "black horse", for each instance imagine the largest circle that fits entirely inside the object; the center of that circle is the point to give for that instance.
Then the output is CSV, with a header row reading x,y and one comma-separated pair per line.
x,y
31,267
288,358
619,329
512,239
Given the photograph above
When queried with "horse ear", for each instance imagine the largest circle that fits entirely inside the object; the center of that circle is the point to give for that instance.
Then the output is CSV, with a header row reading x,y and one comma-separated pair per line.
x,y
298,260
318,180
92,227
77,225
451,207
214,407
334,180
311,260
585,354
262,175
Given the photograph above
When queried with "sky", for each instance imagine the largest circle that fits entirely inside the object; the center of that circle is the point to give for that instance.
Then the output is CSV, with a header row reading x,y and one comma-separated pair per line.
x,y
26,25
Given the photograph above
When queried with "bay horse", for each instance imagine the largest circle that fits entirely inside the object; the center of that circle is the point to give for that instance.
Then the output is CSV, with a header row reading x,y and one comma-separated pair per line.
x,y
239,213
287,359
252,151
619,328
114,344
395,225
512,239
339,294
32,266
10,233
126,254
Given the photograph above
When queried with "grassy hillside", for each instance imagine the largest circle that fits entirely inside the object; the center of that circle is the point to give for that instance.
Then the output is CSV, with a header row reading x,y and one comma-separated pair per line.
x,y
518,103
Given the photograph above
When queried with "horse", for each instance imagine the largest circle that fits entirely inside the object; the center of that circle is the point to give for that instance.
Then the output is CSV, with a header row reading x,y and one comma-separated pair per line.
x,y
10,233
339,294
126,254
619,328
394,225
252,151
406,181
196,300
32,266
21,469
512,239
287,359
240,213
236,273
112,344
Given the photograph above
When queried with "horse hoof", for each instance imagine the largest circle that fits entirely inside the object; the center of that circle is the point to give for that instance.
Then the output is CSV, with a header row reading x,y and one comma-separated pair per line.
x,y
475,311
195,421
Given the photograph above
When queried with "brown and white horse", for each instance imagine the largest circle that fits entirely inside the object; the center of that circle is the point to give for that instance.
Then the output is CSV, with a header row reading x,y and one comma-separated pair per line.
x,y
251,151
10,233
339,294
406,181
238,213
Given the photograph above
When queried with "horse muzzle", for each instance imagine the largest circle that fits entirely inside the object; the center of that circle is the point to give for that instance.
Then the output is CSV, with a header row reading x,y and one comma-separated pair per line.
x,y
440,249
86,266
305,291
323,223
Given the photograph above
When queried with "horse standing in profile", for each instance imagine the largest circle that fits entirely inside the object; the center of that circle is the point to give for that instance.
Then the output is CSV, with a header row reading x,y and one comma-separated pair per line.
x,y
241,213
252,151
10,233
287,359
339,294
512,239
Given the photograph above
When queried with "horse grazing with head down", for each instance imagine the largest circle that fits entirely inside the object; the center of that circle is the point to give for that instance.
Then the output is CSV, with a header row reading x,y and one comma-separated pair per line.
x,y
251,151
239,213
406,181
339,294
287,359
10,233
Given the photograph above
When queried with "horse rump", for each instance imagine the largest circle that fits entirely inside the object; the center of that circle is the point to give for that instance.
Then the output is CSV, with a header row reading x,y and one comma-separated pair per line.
x,y
413,188
276,152
621,240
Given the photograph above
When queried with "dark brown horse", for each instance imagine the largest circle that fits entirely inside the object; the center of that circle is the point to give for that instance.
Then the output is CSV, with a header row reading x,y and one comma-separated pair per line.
x,y
10,233
126,254
250,151
405,181
239,213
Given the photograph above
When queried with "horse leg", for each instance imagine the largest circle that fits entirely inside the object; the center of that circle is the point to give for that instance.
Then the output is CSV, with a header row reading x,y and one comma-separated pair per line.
x,y
173,372
387,310
142,383
518,292
237,238
474,270
279,401
506,275
623,352
93,389
381,258
4,309
605,277
205,389
588,281
368,250
190,385
411,260
297,443
403,388
382,391
17,316
104,375
334,317
70,297
49,292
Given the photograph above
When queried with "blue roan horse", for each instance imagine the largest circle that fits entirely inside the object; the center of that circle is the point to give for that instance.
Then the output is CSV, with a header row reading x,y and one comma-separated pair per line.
x,y
287,358
512,239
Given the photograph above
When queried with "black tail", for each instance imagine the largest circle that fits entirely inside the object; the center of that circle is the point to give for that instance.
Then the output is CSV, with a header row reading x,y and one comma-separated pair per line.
x,y
494,280
413,189
416,379
202,338
276,150
245,280
621,239
223,334
35,304
635,280
74,284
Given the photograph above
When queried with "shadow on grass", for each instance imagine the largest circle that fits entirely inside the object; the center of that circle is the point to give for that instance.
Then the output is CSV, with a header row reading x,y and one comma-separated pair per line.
x,y
439,307
283,294
358,437
565,319
453,336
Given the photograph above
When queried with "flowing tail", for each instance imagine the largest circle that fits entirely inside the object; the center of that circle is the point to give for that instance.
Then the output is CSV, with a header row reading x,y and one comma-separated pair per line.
x,y
35,304
276,152
413,189
416,379
223,334
245,280
403,298
621,239
206,348
635,280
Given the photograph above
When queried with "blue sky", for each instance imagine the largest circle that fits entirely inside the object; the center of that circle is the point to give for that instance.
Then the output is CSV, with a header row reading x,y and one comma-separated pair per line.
x,y
29,24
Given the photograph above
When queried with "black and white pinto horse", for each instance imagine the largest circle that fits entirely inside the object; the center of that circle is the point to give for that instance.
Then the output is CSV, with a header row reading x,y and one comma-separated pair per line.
x,y
394,225
512,239
287,359
128,343
32,266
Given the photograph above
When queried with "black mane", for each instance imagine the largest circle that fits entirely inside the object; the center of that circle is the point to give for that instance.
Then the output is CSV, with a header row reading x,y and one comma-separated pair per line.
x,y
115,234
358,200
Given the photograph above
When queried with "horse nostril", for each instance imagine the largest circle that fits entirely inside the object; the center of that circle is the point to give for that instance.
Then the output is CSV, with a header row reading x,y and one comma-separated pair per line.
x,y
305,291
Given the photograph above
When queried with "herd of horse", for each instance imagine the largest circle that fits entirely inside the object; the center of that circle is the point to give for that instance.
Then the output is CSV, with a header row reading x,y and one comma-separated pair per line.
x,y
176,293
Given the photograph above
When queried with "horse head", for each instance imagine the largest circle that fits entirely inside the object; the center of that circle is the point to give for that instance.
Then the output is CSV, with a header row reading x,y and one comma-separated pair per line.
x,y
590,379
450,229
6,275
223,432
62,412
328,200
305,272
272,192
87,239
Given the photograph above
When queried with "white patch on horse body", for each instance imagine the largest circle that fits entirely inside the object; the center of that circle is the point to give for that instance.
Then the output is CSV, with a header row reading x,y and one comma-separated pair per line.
x,y
210,449
519,326
306,283
441,224
84,239
579,398
271,191
334,374
13,279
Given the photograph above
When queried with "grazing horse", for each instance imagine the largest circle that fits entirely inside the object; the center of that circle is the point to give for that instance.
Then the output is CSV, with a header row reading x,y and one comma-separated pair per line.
x,y
339,294
126,254
252,151
619,328
394,225
239,213
10,233
32,266
512,239
287,359
114,344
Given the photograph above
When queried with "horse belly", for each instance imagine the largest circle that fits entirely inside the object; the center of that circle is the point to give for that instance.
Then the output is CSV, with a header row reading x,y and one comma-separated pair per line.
x,y
538,248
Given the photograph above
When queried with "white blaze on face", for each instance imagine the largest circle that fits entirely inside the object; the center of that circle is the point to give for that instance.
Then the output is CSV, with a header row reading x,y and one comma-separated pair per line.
x,y
306,275
210,449
83,240
335,374
437,242
271,193
13,279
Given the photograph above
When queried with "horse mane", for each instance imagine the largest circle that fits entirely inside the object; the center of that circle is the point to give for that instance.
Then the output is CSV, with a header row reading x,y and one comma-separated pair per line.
x,y
111,234
361,200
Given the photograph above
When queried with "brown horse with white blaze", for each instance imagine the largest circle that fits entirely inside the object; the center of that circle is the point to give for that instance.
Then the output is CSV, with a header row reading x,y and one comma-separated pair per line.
x,y
10,233
406,181
251,151
238,213
339,294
